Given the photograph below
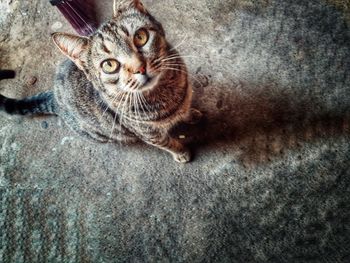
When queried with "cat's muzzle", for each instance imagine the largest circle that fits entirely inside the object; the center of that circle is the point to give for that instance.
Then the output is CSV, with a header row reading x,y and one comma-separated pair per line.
x,y
143,80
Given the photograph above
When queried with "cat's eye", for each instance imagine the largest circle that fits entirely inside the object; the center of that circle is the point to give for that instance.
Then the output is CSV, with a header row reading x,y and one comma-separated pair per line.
x,y
110,66
141,37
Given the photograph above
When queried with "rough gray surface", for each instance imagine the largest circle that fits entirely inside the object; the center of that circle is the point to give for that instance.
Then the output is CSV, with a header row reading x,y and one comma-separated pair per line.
x,y
270,181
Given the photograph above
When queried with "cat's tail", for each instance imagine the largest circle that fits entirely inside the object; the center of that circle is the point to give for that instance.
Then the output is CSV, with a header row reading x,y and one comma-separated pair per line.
x,y
40,104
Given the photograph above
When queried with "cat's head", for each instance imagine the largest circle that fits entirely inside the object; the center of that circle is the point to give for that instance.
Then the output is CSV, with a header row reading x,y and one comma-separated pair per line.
x,y
124,54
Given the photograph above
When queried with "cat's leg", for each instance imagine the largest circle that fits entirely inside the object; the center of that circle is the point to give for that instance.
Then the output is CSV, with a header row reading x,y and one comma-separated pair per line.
x,y
91,135
179,151
193,117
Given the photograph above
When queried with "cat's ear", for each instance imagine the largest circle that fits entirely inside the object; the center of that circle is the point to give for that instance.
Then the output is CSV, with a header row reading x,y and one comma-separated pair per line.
x,y
121,5
74,47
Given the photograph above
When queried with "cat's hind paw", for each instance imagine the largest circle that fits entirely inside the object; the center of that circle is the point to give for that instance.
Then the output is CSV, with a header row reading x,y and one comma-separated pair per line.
x,y
184,157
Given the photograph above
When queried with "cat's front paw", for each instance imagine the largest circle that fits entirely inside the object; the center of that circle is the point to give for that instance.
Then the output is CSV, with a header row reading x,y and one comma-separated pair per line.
x,y
183,157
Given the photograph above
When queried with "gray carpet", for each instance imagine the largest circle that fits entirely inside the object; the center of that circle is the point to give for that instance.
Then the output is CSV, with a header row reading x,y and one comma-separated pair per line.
x,y
270,181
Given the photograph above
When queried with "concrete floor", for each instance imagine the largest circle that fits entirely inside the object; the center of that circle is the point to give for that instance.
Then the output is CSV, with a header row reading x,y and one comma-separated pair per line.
x,y
270,179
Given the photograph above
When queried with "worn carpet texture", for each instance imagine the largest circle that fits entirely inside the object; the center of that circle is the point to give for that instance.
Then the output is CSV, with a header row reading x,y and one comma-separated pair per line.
x,y
270,181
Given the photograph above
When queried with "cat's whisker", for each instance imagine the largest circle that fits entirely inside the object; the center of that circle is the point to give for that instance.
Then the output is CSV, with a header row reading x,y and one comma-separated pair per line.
x,y
173,52
148,107
183,65
174,64
141,104
113,101
173,55
116,114
128,114
144,107
113,126
120,107
183,71
121,100
180,44
133,114
136,100
169,61
104,112
176,61
129,105
176,69
169,58
157,61
180,57
121,119
219,57
103,104
137,116
138,105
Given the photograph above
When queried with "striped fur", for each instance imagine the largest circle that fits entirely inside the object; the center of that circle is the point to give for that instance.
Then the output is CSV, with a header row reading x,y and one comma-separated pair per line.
x,y
40,104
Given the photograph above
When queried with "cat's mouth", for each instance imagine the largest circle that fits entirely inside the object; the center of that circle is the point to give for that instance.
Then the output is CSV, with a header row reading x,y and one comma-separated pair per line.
x,y
143,83
150,83
143,79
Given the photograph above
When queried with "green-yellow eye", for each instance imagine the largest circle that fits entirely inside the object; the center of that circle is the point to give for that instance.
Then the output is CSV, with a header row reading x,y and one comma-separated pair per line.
x,y
141,37
110,66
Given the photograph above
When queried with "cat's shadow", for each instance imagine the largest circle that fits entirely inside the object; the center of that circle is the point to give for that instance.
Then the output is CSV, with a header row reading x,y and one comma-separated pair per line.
x,y
261,123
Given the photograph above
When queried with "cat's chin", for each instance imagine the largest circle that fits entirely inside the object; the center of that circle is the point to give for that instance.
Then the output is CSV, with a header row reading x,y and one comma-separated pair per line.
x,y
148,85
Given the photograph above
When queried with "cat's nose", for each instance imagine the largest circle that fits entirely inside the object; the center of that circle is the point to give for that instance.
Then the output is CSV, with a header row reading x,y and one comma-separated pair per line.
x,y
141,70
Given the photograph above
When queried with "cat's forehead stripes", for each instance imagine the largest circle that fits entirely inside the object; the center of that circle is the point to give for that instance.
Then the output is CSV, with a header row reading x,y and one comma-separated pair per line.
x,y
102,44
110,32
125,30
105,49
109,38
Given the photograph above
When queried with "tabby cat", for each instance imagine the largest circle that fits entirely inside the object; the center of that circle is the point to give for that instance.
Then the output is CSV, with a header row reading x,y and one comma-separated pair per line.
x,y
123,83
